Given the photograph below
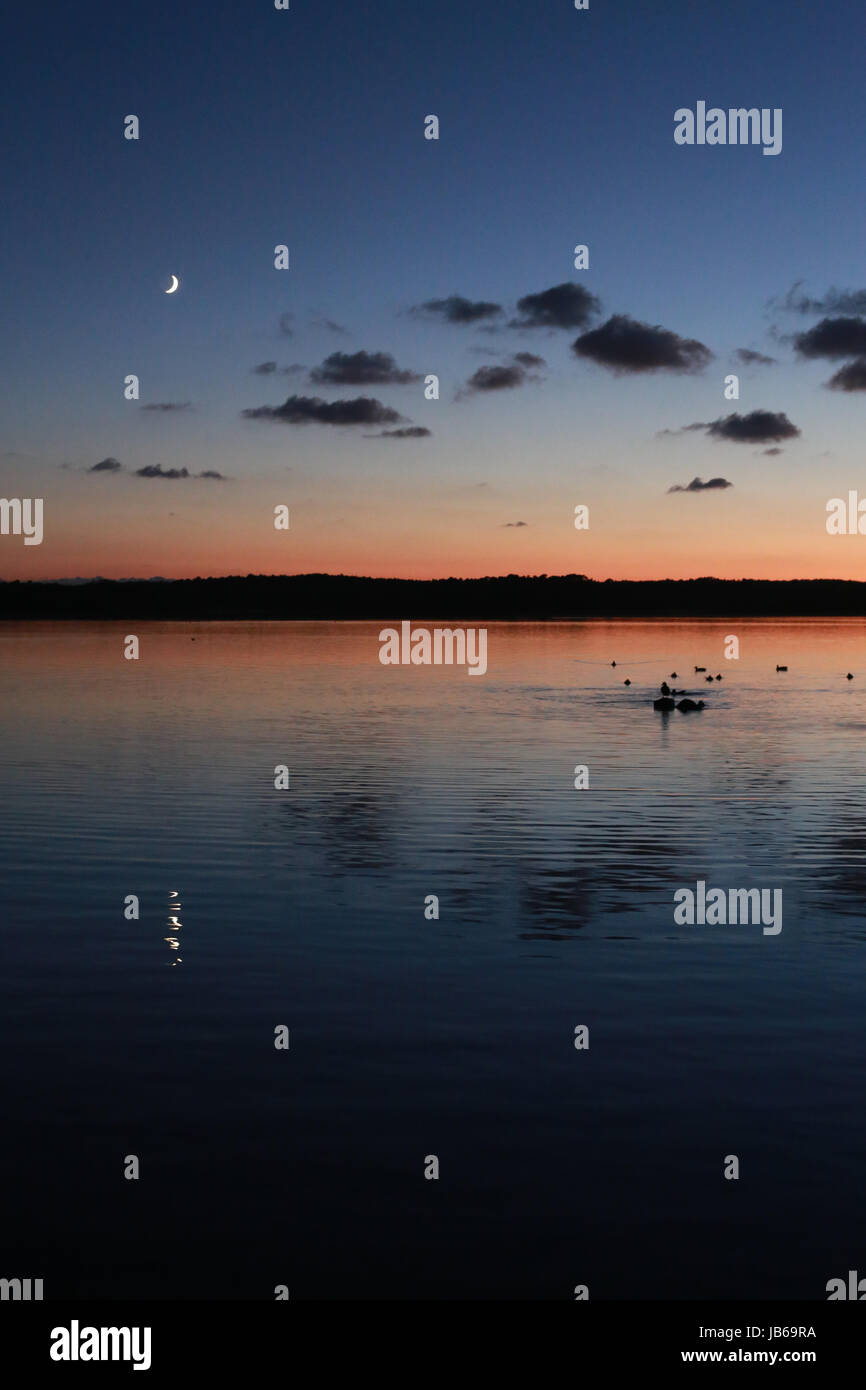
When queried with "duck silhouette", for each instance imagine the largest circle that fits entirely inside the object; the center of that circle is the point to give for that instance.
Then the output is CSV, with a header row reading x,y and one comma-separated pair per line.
x,y
718,678
700,668
781,668
709,678
673,675
626,682
686,706
849,677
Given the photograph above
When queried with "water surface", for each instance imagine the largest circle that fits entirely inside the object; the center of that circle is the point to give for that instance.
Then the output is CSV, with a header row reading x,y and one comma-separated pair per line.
x,y
412,1037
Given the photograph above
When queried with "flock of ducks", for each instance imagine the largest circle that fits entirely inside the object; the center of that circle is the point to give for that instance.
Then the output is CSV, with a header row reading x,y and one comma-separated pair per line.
x,y
666,701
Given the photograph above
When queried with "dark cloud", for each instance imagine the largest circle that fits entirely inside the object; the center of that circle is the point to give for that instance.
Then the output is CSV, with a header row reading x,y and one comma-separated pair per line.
x,y
624,345
411,432
331,326
302,410
286,324
845,337
758,427
749,358
851,377
167,405
773,452
563,306
507,524
495,379
361,369
834,301
108,465
156,470
456,309
265,368
529,359
696,485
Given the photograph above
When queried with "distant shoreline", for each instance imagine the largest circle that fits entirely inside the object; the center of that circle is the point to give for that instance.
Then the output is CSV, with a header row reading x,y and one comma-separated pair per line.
x,y
305,597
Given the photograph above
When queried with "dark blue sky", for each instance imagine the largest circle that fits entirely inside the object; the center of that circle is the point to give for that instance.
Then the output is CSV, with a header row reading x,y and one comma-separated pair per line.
x,y
306,127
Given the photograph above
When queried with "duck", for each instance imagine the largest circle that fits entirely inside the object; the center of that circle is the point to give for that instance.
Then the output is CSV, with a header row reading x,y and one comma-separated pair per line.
x,y
718,678
673,675
613,663
709,678
626,682
700,668
849,676
781,668
686,706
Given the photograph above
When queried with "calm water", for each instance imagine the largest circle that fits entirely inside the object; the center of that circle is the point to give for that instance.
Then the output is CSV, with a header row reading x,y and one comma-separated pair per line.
x,y
412,1037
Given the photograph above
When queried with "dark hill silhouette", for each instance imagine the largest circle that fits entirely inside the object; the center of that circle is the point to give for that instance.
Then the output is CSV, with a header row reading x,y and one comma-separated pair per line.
x,y
302,596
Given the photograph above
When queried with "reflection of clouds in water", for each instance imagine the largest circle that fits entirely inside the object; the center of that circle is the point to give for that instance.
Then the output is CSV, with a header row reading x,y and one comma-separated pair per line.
x,y
353,827
555,901
838,883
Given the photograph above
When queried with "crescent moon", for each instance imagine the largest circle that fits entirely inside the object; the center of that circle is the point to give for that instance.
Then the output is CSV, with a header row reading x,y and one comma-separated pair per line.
x,y
174,285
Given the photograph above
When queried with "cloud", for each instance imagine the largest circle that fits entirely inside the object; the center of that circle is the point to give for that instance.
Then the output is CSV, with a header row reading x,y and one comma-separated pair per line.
x,y
851,377
758,427
361,369
411,432
268,369
624,345
156,470
167,405
529,359
749,358
563,306
507,524
834,301
108,465
456,309
495,379
844,337
773,452
286,324
302,410
696,485
331,326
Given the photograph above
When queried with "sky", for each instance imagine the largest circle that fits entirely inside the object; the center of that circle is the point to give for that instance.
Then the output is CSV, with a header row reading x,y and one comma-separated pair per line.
x,y
305,127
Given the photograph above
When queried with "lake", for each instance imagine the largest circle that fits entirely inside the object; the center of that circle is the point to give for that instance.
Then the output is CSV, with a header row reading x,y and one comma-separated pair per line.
x,y
413,1036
